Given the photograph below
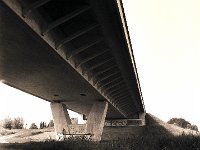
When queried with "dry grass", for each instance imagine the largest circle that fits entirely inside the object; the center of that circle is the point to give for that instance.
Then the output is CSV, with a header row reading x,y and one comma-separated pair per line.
x,y
27,135
157,135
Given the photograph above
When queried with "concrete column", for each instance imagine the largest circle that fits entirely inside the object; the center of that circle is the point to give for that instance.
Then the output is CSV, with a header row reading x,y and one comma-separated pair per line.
x,y
142,117
96,120
61,118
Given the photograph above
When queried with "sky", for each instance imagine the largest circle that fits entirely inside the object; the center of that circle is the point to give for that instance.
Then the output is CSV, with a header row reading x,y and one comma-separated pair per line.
x,y
16,103
165,37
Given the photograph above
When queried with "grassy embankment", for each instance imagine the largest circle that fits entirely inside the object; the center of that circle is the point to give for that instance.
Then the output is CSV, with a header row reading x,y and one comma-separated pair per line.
x,y
157,135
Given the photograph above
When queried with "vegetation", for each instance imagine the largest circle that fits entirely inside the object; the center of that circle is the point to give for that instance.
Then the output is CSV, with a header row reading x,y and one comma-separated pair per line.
x,y
16,123
43,125
6,132
150,142
183,123
156,135
51,124
33,126
7,123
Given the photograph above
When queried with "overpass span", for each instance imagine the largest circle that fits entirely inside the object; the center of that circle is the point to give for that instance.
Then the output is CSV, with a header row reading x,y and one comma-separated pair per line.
x,y
71,52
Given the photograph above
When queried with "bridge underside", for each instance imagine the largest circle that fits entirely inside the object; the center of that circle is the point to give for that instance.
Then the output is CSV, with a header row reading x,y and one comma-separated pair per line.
x,y
70,52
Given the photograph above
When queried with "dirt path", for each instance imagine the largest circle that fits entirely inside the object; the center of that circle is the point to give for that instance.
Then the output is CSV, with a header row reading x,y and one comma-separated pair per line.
x,y
3,139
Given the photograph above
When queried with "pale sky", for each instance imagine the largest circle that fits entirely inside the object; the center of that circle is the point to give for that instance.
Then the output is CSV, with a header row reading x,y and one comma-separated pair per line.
x,y
165,36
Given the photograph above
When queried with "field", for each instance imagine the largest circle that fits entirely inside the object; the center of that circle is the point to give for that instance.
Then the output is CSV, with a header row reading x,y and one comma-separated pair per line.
x,y
157,135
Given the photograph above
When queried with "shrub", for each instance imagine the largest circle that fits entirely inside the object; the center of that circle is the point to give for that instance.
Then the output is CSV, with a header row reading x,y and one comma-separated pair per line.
x,y
7,123
18,123
43,125
6,132
33,126
182,123
194,127
51,124
179,122
149,142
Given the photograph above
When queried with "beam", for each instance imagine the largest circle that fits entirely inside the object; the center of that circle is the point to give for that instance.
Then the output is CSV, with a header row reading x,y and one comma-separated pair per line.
x,y
104,70
122,97
106,77
119,93
98,64
91,57
64,19
84,47
76,34
33,6
113,85
115,90
109,82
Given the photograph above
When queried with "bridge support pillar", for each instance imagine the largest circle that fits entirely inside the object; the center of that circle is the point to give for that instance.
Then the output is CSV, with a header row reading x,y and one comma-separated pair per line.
x,y
142,117
61,119
96,120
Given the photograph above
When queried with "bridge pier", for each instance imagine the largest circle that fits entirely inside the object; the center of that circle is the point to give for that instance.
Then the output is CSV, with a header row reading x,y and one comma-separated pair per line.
x,y
142,117
61,118
96,120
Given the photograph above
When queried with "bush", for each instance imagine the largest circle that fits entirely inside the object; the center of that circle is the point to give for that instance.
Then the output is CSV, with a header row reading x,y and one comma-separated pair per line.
x,y
6,132
194,127
43,125
179,122
51,124
182,123
7,123
18,123
33,126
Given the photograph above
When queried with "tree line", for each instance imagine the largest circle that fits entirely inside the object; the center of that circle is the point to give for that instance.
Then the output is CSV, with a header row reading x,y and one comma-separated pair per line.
x,y
18,123
183,123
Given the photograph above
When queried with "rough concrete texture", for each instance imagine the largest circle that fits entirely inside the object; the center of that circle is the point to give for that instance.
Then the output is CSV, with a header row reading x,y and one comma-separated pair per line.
x,y
142,117
36,63
96,120
121,132
61,118
77,128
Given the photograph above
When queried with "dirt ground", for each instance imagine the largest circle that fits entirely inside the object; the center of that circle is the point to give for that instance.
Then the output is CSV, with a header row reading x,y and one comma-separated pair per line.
x,y
27,135
154,126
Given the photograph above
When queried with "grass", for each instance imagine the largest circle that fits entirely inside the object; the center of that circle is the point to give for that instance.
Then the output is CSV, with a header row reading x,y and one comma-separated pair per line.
x,y
150,142
157,135
4,132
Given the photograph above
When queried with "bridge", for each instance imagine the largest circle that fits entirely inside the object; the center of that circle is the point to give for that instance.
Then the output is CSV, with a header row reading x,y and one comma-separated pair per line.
x,y
76,54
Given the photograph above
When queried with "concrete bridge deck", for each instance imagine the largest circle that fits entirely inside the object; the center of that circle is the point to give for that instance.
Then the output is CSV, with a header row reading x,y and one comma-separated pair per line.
x,y
72,52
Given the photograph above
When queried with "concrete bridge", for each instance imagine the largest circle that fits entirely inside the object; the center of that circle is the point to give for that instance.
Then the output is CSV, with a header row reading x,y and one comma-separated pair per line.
x,y
75,54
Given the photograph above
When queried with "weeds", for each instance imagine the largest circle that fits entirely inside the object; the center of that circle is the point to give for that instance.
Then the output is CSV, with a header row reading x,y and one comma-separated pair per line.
x,y
149,142
6,132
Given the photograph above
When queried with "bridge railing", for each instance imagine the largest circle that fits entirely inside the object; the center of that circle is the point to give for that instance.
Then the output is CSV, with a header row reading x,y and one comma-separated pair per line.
x,y
124,122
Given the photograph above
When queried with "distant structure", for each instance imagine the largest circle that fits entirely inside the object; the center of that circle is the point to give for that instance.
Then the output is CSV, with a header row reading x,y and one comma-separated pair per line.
x,y
74,120
75,54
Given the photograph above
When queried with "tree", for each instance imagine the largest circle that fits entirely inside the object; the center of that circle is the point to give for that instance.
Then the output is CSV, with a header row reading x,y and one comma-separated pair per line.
x,y
51,124
179,122
182,123
18,123
43,125
7,123
33,126
194,127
